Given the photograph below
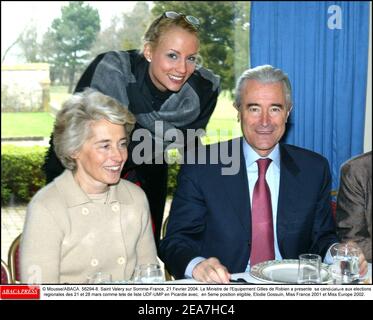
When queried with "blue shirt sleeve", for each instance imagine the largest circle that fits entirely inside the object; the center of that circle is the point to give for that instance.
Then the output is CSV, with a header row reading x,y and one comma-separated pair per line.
x,y
191,265
328,259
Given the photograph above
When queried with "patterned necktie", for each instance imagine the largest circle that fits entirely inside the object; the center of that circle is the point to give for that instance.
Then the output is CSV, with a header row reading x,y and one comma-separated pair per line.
x,y
262,247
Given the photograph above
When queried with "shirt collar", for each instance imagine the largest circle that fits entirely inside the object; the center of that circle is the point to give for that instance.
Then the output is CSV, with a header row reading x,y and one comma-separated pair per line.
x,y
251,156
75,196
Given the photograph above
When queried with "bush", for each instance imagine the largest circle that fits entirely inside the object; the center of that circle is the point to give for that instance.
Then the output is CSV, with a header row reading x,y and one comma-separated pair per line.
x,y
173,158
173,170
21,173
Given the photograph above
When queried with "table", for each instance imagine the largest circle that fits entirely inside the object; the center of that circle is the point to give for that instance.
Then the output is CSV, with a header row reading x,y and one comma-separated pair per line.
x,y
251,280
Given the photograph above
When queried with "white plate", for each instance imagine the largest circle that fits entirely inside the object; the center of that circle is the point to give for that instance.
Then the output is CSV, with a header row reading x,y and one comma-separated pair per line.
x,y
283,271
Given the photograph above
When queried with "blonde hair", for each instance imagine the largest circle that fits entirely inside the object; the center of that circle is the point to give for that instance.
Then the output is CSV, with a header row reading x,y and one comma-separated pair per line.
x,y
72,125
162,24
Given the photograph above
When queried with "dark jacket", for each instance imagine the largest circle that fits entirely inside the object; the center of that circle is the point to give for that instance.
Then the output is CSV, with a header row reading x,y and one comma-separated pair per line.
x,y
210,214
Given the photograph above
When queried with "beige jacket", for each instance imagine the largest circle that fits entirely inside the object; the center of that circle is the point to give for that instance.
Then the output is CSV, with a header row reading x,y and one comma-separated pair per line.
x,y
67,237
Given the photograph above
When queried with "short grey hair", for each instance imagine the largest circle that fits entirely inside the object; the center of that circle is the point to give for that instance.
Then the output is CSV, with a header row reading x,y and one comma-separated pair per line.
x,y
264,74
72,127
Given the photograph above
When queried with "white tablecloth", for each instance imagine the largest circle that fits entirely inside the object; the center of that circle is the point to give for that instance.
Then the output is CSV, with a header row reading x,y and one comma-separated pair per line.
x,y
251,280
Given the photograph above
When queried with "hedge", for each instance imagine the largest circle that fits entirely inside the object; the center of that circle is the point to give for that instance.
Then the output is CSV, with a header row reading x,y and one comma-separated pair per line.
x,y
22,175
173,170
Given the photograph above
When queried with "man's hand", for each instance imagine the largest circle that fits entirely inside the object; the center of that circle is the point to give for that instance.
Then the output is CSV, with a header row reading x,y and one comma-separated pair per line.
x,y
211,271
363,264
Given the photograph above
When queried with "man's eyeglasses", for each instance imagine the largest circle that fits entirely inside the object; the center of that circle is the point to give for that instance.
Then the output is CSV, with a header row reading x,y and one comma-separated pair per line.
x,y
190,19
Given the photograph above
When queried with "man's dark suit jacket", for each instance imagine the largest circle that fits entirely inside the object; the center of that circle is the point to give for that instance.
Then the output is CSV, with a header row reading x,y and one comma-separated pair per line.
x,y
210,214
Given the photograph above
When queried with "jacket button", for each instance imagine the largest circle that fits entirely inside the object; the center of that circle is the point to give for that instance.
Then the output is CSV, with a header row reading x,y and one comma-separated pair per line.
x,y
94,262
121,260
115,207
85,211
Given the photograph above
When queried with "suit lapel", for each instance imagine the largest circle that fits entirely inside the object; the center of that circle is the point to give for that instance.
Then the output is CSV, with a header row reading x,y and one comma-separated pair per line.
x,y
289,192
237,191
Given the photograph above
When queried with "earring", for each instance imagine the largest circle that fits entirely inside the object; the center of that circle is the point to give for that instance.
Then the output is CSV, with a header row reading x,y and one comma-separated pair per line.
x,y
149,60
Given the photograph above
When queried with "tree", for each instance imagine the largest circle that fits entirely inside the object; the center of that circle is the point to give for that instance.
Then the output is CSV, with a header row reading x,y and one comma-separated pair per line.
x,y
139,17
68,40
12,45
241,37
29,43
121,34
216,33
108,39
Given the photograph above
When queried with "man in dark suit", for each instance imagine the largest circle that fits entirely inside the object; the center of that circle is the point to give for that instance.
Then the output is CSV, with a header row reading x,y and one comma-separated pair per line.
x,y
212,229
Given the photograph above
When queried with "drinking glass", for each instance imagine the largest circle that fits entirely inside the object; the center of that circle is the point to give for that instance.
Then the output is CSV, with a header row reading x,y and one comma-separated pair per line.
x,y
345,267
148,273
309,269
99,277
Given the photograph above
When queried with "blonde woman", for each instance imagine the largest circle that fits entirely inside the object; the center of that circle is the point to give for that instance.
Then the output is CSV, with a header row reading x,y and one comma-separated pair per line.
x,y
161,84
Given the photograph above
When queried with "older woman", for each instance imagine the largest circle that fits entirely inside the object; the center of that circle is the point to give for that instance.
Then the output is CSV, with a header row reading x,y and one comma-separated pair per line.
x,y
88,220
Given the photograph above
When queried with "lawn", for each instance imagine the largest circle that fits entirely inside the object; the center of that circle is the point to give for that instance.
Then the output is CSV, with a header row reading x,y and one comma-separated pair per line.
x,y
221,130
58,95
223,124
33,124
26,124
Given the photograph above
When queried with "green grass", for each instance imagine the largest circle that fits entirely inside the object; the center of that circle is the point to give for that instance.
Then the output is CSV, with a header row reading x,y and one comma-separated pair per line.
x,y
221,130
26,124
33,124
58,89
222,126
58,95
